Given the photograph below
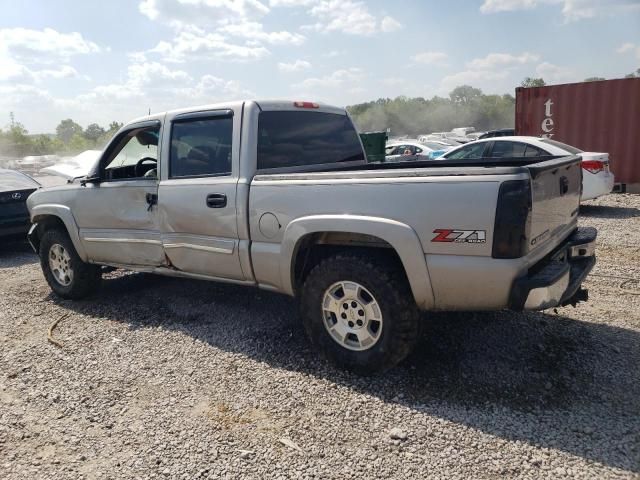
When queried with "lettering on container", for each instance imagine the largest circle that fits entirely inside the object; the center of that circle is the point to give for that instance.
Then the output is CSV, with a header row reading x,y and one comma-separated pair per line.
x,y
547,124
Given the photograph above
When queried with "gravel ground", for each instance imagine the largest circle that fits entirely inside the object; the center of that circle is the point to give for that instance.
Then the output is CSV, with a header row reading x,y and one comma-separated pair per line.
x,y
169,378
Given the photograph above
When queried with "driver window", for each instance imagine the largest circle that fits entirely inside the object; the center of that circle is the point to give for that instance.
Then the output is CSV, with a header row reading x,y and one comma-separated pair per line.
x,y
135,157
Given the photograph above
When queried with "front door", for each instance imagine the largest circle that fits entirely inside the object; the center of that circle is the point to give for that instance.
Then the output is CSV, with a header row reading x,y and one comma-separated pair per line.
x,y
197,196
117,221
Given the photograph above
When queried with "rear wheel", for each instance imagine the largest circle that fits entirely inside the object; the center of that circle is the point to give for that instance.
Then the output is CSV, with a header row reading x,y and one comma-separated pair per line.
x,y
359,314
65,272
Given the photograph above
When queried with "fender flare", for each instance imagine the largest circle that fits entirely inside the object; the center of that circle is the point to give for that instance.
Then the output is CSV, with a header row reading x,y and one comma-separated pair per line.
x,y
64,214
400,236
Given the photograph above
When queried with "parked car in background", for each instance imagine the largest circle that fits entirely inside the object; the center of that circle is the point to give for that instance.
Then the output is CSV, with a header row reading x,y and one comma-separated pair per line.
x,y
15,188
462,131
73,167
475,135
597,178
396,150
33,163
443,137
502,132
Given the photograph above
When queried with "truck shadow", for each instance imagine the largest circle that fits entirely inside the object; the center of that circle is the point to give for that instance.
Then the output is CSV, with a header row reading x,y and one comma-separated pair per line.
x,y
16,253
607,211
499,372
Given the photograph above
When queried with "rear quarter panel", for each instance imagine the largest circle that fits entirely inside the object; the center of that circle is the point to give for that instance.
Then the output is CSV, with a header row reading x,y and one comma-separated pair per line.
x,y
463,275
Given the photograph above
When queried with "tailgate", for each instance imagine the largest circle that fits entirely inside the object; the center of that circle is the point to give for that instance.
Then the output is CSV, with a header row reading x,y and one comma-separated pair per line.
x,y
555,190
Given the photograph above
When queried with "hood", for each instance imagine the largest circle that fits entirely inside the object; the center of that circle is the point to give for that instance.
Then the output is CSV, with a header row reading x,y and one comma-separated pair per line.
x,y
11,180
74,167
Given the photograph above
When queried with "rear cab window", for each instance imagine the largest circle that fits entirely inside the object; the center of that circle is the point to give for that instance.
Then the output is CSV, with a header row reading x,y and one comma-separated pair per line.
x,y
295,141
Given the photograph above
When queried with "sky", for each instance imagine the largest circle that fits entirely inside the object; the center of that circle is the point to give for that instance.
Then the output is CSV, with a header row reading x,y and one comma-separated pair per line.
x,y
100,61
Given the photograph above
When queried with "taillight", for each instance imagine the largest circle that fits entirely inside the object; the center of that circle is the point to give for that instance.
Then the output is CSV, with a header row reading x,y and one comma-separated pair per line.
x,y
513,219
306,105
593,166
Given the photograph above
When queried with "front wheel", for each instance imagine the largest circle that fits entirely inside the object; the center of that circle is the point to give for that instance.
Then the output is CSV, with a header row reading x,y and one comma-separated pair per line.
x,y
359,314
65,272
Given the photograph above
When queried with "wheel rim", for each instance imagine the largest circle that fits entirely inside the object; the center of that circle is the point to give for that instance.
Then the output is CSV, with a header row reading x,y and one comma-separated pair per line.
x,y
60,264
352,316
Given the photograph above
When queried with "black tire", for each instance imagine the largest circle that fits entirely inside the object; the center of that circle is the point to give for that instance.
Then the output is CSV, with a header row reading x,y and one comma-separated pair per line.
x,y
389,287
86,277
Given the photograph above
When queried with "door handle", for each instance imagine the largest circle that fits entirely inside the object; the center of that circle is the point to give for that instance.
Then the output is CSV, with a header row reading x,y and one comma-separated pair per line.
x,y
216,200
152,199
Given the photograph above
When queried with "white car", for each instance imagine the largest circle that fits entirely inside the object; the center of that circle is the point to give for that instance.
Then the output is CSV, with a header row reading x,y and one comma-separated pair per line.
x,y
597,178
396,150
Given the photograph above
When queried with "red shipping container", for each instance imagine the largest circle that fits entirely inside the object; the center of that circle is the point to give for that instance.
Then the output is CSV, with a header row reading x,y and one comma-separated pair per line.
x,y
601,116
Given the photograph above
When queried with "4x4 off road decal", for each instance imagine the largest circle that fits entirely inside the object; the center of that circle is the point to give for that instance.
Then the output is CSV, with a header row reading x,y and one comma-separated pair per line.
x,y
460,236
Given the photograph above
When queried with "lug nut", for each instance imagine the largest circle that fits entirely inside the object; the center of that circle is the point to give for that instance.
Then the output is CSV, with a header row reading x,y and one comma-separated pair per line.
x,y
351,324
354,304
345,305
344,316
359,322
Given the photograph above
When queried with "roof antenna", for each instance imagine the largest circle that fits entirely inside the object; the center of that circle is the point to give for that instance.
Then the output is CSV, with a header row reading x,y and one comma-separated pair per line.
x,y
149,110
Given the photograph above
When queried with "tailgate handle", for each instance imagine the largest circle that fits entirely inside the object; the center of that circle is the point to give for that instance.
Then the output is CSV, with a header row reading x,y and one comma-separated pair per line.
x,y
564,185
216,200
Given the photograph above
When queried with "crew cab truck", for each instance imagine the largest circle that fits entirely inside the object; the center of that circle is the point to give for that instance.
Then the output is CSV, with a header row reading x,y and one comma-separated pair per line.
x,y
279,195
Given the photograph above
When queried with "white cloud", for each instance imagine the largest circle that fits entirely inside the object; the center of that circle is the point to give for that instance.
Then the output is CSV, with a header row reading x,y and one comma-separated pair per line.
x,y
64,71
572,10
390,24
25,53
43,46
346,16
472,77
492,6
197,44
181,13
629,47
339,78
333,53
255,31
431,58
501,60
156,86
394,81
553,73
291,3
204,28
296,66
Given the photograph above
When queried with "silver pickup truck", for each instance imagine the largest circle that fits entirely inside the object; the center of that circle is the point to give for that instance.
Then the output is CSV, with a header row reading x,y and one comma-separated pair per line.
x,y
279,195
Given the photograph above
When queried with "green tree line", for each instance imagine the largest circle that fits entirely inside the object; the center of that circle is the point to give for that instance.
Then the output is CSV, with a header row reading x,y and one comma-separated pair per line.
x,y
465,106
69,139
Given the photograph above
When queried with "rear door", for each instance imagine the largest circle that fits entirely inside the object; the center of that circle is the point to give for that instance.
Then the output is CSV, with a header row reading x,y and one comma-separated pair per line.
x,y
197,196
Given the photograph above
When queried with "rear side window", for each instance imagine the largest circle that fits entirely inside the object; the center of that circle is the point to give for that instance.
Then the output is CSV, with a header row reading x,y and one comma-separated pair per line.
x,y
507,149
473,150
201,147
297,139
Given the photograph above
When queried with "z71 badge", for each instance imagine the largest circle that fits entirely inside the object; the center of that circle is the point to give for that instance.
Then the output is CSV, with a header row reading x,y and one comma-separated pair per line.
x,y
460,236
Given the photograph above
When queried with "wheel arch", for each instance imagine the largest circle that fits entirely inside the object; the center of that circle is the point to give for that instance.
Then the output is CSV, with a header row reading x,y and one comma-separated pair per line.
x,y
305,232
52,216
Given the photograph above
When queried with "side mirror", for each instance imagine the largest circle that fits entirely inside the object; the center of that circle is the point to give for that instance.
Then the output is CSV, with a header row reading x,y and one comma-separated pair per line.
x,y
92,179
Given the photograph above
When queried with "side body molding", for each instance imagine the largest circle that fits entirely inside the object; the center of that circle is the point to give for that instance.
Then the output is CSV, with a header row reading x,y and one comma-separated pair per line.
x,y
400,236
64,214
